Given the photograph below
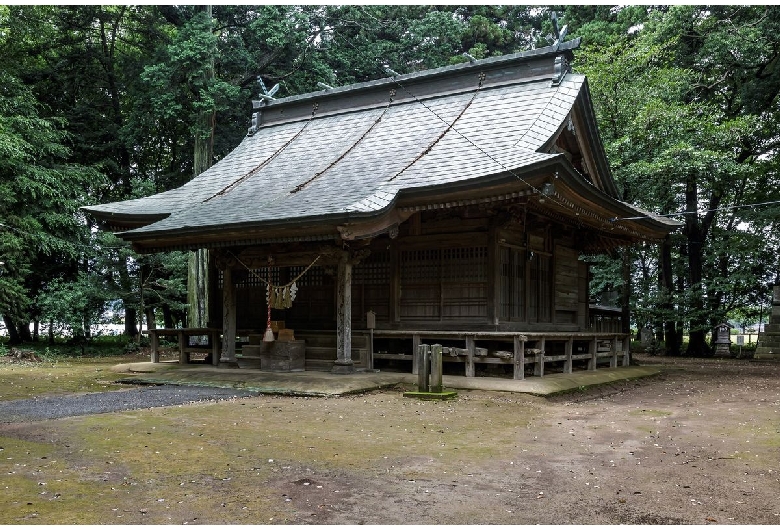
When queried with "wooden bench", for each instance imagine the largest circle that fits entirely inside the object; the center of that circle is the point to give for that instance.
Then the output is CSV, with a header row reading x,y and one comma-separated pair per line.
x,y
185,348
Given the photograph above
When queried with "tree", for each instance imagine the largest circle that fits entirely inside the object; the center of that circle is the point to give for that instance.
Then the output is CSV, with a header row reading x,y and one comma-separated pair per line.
x,y
39,197
684,96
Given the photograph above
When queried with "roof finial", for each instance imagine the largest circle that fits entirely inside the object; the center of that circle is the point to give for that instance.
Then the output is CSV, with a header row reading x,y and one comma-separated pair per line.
x,y
267,94
390,70
559,34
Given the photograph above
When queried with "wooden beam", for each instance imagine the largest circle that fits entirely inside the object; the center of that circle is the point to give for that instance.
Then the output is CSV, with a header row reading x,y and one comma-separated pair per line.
x,y
373,227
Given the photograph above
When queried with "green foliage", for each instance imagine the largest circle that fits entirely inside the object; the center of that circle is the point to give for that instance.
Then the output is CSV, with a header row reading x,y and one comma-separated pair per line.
x,y
103,103
684,100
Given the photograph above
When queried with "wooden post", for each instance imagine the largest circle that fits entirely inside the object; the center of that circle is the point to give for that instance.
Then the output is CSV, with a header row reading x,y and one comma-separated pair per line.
x,y
228,357
471,348
567,367
539,365
154,341
493,276
415,353
423,353
594,348
370,360
613,351
344,364
395,284
519,358
215,346
184,357
436,369
626,350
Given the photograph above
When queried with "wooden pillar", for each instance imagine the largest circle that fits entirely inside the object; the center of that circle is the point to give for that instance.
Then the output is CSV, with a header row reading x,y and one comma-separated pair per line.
x,y
539,365
154,341
493,276
594,359
519,358
627,351
613,350
567,367
344,364
471,348
184,357
228,357
215,346
415,352
395,284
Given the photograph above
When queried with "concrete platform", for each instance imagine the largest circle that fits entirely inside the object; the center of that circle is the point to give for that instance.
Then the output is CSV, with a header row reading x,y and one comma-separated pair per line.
x,y
313,383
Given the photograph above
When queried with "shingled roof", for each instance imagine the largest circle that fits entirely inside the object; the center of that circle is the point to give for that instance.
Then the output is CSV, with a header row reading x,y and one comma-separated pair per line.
x,y
312,164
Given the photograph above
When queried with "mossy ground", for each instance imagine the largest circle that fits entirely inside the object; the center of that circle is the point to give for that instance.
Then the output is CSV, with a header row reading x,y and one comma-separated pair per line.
x,y
696,445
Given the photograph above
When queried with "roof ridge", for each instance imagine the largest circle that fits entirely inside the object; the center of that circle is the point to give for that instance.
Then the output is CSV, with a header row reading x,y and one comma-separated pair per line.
x,y
536,53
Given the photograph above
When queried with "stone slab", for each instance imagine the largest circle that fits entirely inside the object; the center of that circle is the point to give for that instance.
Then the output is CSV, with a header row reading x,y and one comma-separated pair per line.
x,y
313,383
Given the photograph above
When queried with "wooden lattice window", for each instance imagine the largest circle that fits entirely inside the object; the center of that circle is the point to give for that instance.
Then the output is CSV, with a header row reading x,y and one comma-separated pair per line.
x,y
525,285
512,288
371,287
257,277
540,288
444,284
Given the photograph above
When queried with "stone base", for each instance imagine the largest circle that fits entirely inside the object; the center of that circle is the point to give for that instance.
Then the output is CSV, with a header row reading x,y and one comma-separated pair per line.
x,y
227,364
275,356
722,350
763,356
432,395
343,368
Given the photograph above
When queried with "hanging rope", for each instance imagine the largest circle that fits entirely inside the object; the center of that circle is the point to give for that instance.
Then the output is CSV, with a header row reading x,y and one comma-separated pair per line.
x,y
279,296
265,162
300,186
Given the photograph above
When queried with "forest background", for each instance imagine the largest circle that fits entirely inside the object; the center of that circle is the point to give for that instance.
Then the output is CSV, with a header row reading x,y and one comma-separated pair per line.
x,y
106,103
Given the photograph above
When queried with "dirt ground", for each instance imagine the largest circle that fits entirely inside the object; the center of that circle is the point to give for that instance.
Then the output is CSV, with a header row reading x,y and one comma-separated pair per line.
x,y
698,444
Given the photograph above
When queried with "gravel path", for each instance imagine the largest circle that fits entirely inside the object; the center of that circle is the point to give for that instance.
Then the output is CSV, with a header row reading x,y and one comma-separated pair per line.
x,y
47,408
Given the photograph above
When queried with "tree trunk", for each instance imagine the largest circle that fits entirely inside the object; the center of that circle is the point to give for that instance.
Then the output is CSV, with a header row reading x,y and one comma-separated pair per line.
x,y
167,316
23,328
670,336
694,231
13,335
625,297
131,317
199,275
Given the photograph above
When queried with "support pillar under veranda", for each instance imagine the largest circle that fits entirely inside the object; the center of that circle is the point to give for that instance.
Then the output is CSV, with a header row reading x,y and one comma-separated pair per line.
x,y
344,364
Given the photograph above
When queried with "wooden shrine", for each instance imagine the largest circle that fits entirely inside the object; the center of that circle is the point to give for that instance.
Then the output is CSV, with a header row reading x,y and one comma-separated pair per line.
x,y
454,205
